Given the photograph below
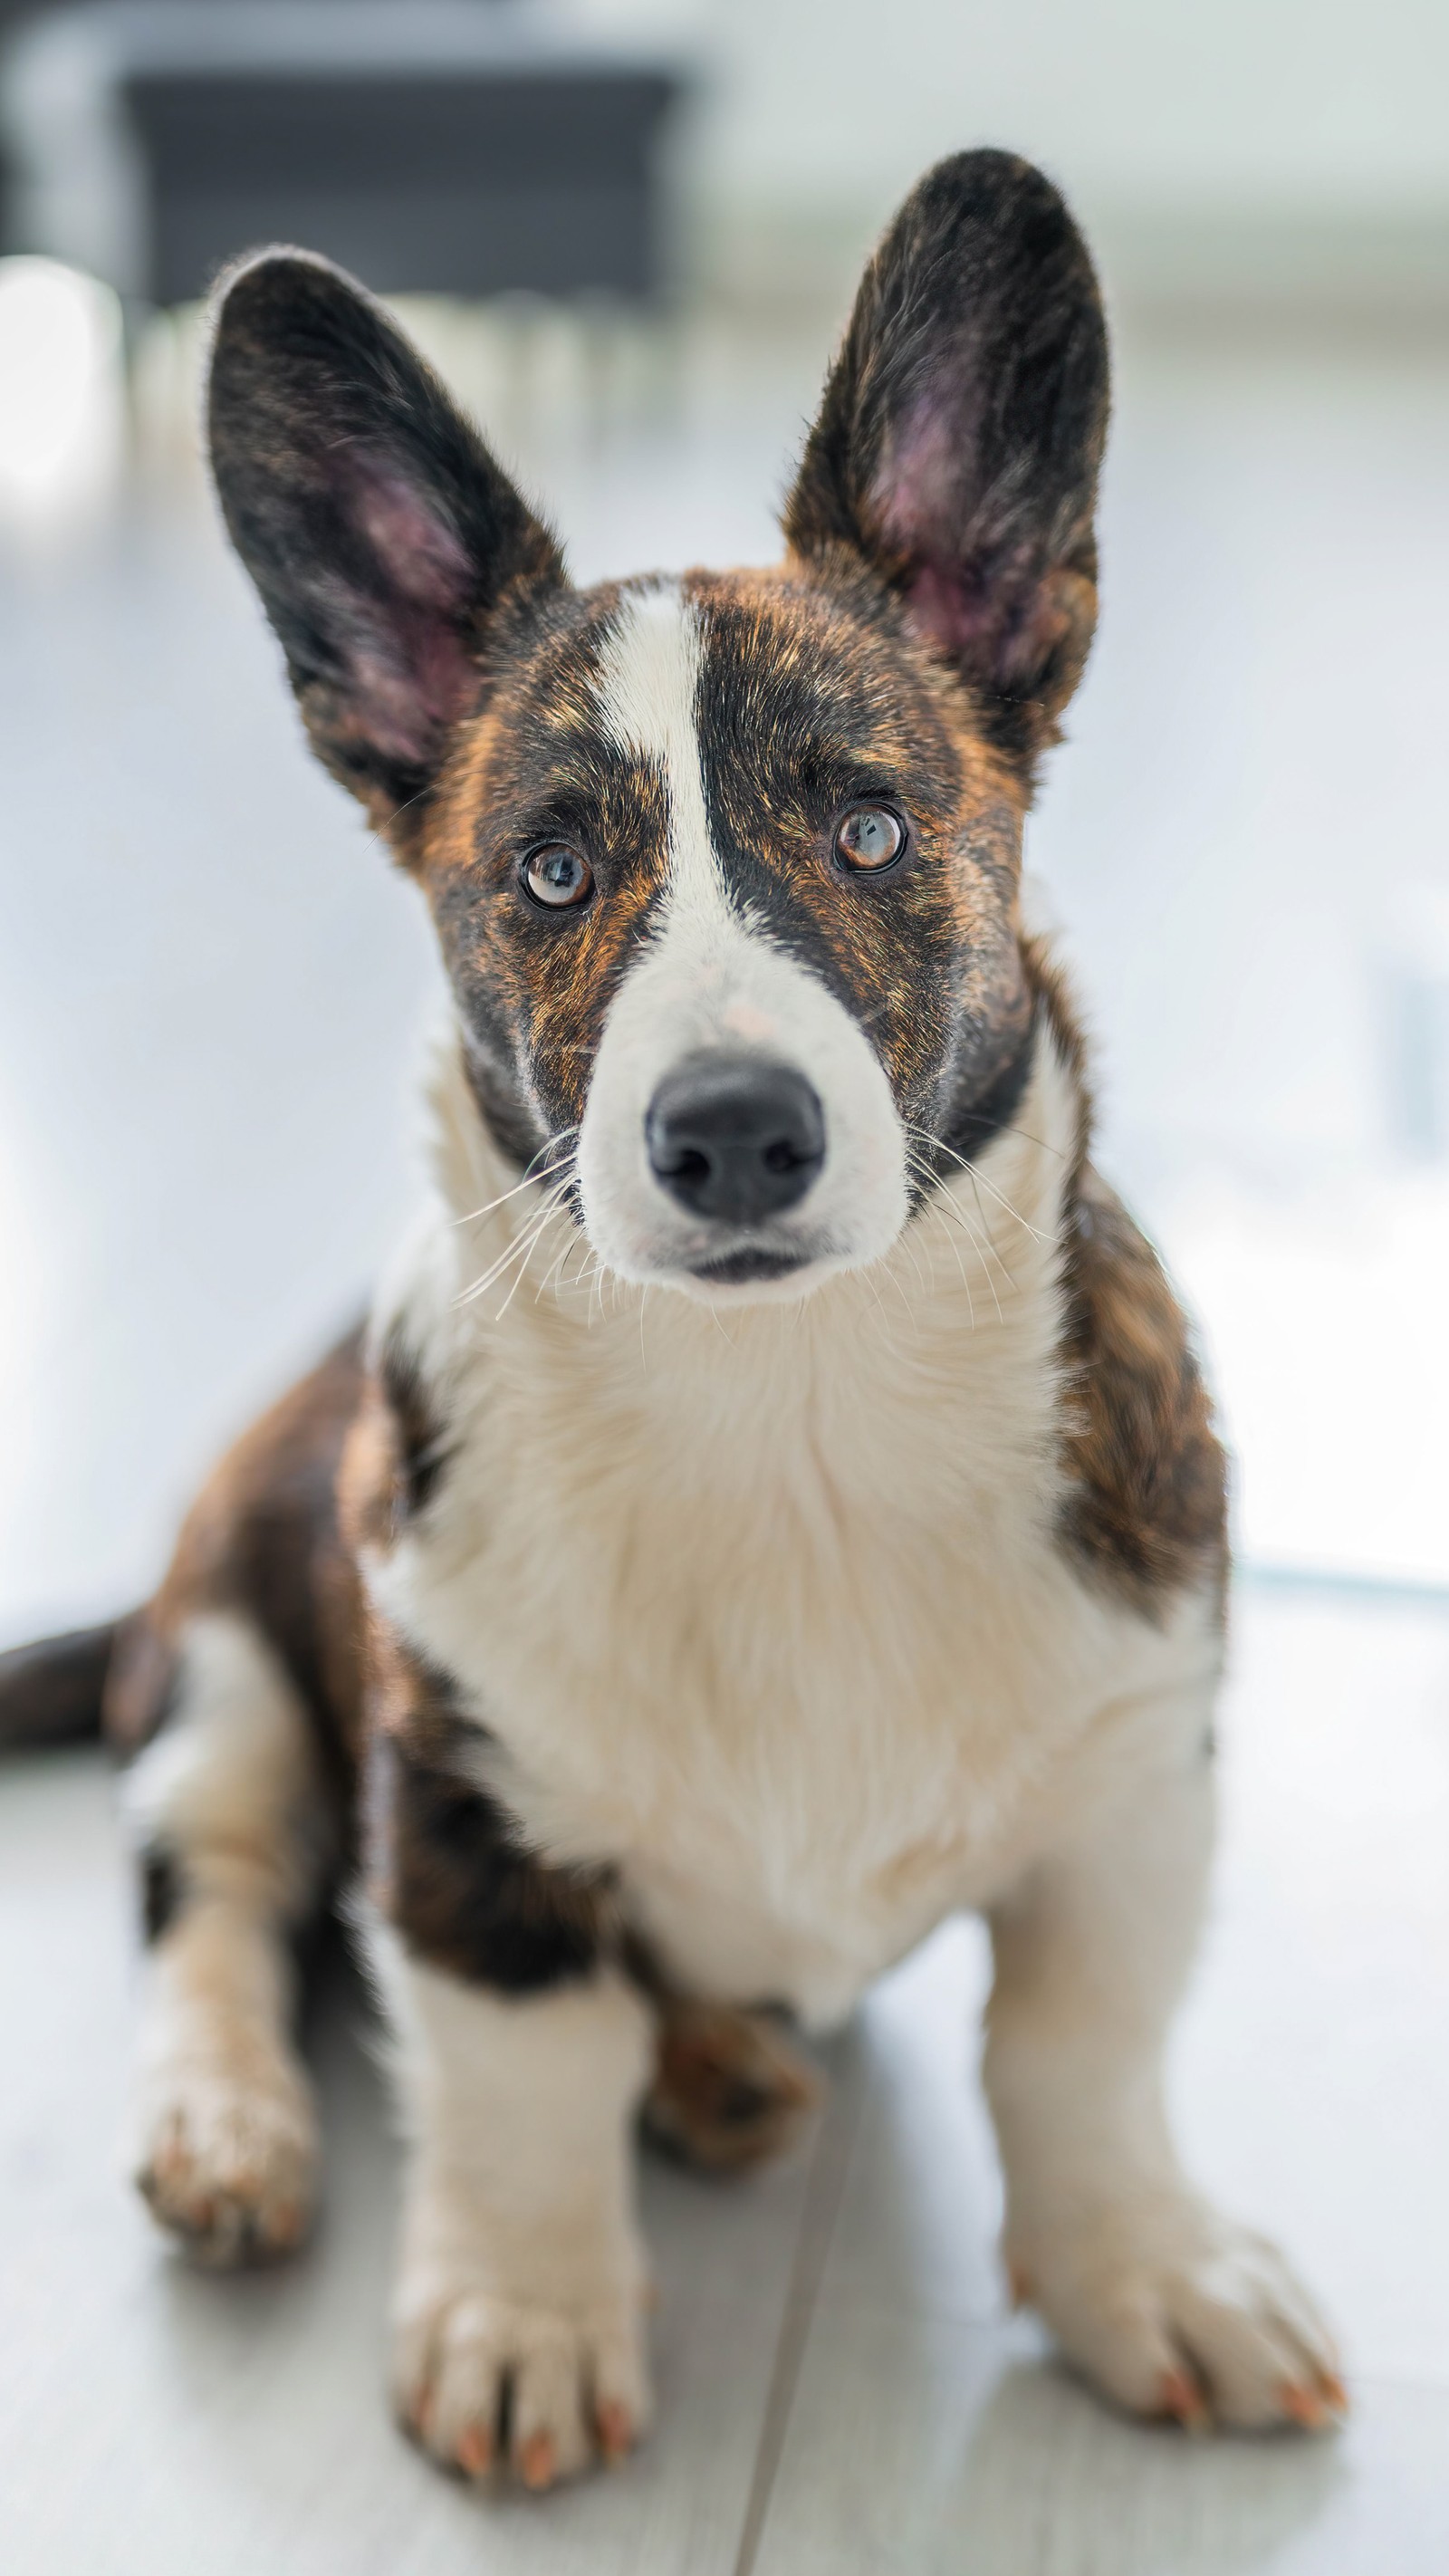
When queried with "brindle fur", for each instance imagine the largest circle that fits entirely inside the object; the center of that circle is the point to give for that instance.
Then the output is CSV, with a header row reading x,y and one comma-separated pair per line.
x,y
961,435
263,1537
930,620
50,1691
443,1863
326,431
1147,1474
813,696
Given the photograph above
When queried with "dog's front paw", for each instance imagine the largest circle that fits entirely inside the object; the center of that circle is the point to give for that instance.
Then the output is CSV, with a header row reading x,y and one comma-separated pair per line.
x,y
1175,2311
486,2381
228,2157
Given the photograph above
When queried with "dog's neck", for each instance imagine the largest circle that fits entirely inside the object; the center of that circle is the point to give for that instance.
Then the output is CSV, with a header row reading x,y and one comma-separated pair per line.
x,y
946,1348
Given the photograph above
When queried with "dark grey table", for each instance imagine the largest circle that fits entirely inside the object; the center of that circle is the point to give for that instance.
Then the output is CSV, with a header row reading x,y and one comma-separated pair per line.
x,y
460,147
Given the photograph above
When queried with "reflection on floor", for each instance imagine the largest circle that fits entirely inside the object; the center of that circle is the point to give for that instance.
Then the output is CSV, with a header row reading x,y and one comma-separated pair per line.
x,y
842,2391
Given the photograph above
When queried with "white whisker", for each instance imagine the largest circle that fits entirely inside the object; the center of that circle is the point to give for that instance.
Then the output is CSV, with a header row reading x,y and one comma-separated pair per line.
x,y
939,1145
523,1268
519,1247
544,1172
939,1215
987,1235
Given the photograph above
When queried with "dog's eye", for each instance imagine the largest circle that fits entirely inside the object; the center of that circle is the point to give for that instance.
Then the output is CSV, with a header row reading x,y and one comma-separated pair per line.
x,y
558,876
870,836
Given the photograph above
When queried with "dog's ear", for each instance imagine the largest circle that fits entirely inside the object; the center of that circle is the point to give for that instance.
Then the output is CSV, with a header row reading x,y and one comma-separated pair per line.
x,y
379,531
961,433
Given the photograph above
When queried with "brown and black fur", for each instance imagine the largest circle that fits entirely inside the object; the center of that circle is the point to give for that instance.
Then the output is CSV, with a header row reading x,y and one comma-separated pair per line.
x,y
264,1537
443,1861
927,627
921,638
919,641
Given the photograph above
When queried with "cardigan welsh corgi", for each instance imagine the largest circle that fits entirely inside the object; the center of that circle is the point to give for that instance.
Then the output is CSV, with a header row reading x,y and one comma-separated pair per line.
x,y
775,1504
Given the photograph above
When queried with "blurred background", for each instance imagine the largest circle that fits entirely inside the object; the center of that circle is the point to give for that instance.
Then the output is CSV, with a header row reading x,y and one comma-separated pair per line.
x,y
628,231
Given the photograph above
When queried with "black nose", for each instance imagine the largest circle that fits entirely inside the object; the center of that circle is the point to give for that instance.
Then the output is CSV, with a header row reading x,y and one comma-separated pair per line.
x,y
735,1136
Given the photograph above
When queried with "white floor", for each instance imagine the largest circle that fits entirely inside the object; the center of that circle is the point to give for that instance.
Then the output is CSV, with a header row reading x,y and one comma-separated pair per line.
x,y
210,997
842,2392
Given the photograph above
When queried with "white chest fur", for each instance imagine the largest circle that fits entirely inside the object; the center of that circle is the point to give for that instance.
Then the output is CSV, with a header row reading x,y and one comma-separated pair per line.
x,y
767,1610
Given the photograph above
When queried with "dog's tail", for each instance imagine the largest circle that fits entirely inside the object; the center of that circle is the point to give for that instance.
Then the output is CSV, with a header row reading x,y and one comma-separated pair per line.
x,y
50,1693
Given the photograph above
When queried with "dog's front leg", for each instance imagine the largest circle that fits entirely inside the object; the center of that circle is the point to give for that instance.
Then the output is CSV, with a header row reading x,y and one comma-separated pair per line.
x,y
522,2055
519,2302
1171,2307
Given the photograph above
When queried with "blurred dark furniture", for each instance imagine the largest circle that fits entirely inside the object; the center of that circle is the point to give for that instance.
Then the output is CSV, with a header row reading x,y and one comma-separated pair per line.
x,y
466,147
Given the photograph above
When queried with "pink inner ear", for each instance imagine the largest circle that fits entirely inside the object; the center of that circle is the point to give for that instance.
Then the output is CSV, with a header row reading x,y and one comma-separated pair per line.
x,y
1002,636
950,617
917,490
400,707
412,674
421,555
971,601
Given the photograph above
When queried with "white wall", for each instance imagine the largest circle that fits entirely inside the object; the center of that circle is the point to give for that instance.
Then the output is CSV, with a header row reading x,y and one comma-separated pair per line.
x,y
1219,113
1311,102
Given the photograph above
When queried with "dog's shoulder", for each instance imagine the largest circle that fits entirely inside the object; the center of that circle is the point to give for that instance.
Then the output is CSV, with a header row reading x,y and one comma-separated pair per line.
x,y
1142,1507
1145,1502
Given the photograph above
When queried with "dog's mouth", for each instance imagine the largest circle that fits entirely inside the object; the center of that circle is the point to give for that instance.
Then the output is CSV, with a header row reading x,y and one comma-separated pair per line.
x,y
735,1267
739,1267
751,1266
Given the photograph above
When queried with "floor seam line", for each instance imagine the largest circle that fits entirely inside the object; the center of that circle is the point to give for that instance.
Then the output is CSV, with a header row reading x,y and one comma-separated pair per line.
x,y
824,2193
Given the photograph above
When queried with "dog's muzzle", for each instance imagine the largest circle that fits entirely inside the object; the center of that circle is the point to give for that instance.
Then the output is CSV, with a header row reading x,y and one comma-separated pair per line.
x,y
740,1133
735,1138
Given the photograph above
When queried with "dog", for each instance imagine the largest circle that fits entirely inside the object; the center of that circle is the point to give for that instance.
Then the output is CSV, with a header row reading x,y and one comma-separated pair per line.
x,y
775,1504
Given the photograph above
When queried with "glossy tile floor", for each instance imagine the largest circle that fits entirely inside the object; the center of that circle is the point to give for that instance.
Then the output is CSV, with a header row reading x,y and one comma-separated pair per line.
x,y
211,996
841,2390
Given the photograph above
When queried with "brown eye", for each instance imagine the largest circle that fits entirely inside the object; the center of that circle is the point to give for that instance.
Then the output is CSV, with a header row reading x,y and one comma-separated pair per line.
x,y
558,876
870,836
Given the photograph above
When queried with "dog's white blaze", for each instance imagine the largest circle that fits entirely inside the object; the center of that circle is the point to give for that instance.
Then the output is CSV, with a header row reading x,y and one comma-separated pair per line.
x,y
648,692
712,976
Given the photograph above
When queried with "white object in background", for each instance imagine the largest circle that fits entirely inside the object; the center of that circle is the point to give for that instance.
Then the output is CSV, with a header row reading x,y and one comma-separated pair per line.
x,y
62,395
1417,1001
1324,1322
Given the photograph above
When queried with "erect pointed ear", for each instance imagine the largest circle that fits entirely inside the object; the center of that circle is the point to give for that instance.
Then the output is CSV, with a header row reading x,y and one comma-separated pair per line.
x,y
379,531
961,433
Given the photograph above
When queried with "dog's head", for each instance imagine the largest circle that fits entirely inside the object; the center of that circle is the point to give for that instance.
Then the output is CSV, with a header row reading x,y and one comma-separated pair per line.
x,y
724,867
